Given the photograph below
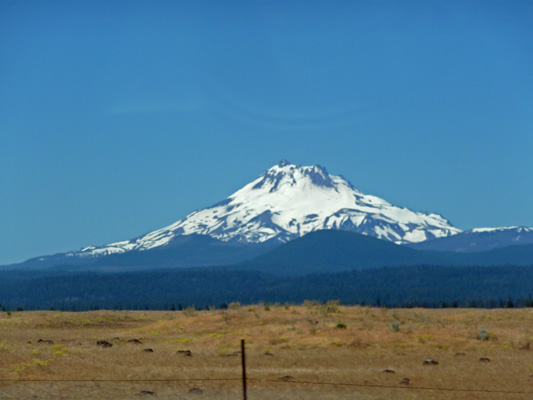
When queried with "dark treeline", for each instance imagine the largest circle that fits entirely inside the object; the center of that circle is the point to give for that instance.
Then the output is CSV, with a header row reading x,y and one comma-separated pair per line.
x,y
415,286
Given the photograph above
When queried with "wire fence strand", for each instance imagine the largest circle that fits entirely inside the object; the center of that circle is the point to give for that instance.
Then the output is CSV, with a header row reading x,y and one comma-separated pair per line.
x,y
370,385
362,385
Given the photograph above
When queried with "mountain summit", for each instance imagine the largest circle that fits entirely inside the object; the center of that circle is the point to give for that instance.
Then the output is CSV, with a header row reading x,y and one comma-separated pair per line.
x,y
288,201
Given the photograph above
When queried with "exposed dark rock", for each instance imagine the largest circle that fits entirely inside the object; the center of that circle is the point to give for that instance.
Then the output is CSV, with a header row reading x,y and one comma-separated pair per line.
x,y
186,353
148,351
404,381
430,362
485,359
389,371
103,343
46,341
196,390
147,393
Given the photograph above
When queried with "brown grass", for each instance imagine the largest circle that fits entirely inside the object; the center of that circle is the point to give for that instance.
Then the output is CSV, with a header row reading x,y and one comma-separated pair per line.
x,y
311,343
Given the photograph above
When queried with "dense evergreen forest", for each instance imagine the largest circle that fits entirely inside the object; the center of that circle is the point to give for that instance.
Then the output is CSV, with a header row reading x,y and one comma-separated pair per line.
x,y
406,286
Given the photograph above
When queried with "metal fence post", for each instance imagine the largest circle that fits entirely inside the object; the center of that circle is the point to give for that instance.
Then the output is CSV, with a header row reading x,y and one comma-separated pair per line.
x,y
243,358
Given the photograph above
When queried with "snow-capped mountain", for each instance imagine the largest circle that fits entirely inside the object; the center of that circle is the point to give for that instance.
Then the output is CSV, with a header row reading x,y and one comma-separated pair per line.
x,y
288,201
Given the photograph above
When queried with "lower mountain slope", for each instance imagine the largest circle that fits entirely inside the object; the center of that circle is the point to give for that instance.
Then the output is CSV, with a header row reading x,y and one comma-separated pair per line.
x,y
334,251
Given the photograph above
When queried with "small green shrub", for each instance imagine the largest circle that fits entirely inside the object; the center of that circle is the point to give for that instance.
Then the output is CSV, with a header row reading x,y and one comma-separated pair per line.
x,y
341,325
4,345
40,363
506,346
59,350
395,326
483,334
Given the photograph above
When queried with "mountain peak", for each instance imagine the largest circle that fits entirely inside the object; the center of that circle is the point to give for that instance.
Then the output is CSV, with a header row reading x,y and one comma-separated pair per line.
x,y
287,174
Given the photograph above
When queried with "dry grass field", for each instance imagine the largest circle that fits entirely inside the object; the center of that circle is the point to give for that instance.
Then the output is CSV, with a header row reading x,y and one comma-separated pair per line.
x,y
292,352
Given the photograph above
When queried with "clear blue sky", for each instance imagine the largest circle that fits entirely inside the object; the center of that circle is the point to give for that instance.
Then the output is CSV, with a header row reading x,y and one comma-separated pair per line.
x,y
120,117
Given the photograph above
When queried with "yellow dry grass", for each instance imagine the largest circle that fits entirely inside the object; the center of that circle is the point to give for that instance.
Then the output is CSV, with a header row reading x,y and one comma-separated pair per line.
x,y
316,344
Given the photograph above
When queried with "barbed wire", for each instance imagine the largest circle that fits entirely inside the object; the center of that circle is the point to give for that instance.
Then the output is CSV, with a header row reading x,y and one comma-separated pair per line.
x,y
372,385
363,385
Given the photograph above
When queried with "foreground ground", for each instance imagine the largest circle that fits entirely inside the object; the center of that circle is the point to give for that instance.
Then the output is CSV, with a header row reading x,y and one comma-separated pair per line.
x,y
304,352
